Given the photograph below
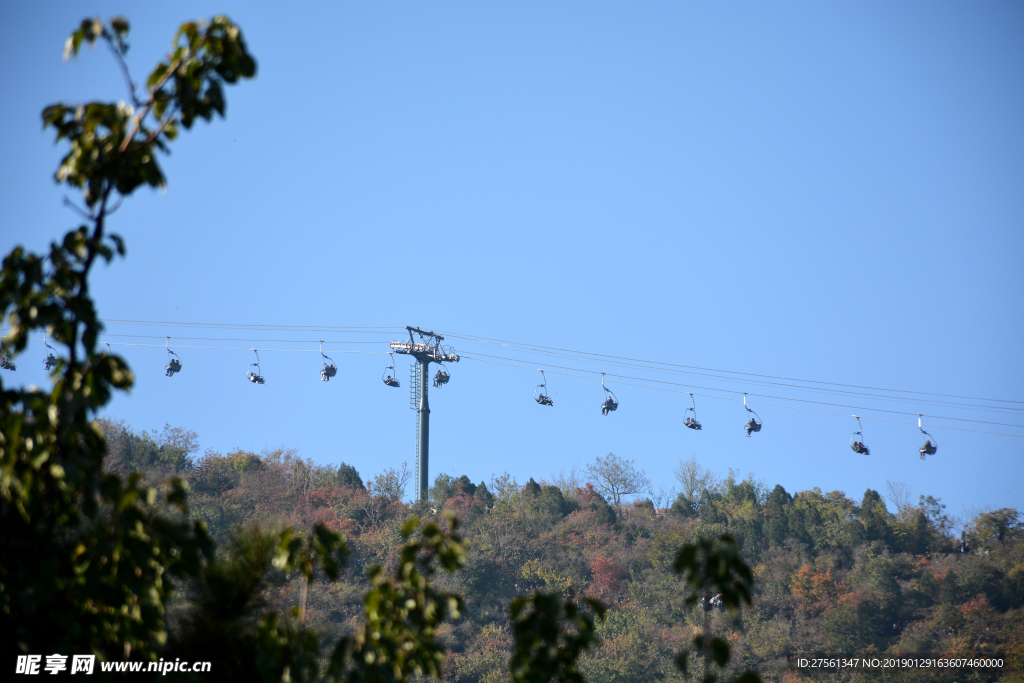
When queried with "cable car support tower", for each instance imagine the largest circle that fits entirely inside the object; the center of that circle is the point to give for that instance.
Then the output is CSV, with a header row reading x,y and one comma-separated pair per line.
x,y
428,350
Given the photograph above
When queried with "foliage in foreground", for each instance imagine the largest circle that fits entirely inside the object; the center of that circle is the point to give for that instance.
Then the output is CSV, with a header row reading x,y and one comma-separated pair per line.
x,y
104,579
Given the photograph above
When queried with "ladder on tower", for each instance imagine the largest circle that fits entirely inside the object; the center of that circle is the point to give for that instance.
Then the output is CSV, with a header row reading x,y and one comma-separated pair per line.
x,y
414,403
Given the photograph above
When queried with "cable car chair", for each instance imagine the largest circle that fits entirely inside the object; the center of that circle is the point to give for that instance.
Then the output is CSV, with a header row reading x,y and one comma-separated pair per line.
x,y
754,424
50,360
390,380
7,364
173,364
691,422
441,377
538,393
330,369
611,401
857,445
930,446
255,377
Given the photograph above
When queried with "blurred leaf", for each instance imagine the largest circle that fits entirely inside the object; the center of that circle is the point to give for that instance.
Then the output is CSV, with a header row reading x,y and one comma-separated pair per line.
x,y
120,26
550,637
719,651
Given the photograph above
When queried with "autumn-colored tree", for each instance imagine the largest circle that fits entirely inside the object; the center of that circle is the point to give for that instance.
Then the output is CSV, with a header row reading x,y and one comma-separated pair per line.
x,y
606,577
816,589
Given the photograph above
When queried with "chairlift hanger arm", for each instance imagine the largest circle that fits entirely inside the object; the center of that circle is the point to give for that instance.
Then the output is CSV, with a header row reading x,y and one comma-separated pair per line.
x,y
930,437
608,391
167,346
749,409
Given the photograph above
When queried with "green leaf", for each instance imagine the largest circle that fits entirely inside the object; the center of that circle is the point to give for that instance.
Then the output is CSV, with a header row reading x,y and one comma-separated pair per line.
x,y
120,26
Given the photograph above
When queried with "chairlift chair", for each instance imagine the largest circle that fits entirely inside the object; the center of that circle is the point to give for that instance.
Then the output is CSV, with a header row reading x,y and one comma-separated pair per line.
x,y
857,440
441,377
50,360
754,424
930,446
7,363
255,377
330,369
691,421
611,401
390,380
538,395
173,360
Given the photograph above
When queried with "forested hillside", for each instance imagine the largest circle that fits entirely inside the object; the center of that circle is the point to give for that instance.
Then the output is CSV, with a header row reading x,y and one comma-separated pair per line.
x,y
834,574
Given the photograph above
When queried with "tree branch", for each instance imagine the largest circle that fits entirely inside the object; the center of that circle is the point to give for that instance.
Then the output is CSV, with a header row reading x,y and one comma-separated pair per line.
x,y
152,97
83,285
119,56
77,209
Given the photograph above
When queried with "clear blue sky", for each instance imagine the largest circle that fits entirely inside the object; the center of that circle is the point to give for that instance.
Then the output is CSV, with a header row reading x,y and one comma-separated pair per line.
x,y
830,191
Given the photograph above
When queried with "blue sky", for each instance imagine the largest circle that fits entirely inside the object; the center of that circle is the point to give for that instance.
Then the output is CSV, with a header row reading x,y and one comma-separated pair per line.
x,y
823,191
